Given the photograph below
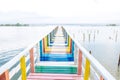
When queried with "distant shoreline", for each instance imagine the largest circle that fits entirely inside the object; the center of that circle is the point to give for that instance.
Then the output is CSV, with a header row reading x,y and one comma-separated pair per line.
x,y
19,24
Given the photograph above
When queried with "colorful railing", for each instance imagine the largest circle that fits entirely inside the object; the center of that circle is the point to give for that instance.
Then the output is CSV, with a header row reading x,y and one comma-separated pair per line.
x,y
46,46
87,64
22,64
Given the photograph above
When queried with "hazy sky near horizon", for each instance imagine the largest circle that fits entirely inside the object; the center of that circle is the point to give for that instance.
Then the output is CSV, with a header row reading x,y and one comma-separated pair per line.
x,y
60,11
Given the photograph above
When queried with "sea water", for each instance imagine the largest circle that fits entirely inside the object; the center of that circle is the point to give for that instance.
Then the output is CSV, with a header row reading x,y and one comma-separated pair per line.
x,y
13,40
103,42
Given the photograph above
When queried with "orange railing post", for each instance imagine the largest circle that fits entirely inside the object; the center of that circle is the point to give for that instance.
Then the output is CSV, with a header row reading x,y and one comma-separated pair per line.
x,y
79,62
5,76
101,78
31,60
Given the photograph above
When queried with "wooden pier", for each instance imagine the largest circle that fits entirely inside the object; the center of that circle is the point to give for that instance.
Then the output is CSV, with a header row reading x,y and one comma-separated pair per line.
x,y
55,56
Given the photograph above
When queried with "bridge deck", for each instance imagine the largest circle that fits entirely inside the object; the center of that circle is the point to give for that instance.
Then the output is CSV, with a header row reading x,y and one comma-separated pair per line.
x,y
42,76
54,70
56,56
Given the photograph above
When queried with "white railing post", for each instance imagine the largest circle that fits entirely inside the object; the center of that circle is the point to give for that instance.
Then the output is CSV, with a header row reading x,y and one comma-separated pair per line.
x,y
38,51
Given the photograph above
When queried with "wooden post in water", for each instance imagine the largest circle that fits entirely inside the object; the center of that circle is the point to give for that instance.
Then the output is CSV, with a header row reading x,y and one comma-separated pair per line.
x,y
94,35
5,76
90,52
89,36
119,61
97,31
83,37
79,62
116,37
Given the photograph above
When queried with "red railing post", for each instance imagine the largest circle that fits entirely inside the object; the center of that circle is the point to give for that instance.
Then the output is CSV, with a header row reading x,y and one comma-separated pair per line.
x,y
101,78
5,76
31,60
79,62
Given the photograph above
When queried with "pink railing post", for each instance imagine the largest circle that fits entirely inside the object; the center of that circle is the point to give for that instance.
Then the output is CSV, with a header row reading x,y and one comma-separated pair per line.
x,y
79,62
5,76
101,78
31,60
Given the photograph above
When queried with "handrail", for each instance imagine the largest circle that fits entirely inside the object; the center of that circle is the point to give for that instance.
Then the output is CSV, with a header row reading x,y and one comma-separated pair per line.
x,y
103,72
10,63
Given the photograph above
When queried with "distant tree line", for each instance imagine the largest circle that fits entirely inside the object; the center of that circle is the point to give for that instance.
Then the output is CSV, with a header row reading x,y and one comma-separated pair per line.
x,y
17,24
111,25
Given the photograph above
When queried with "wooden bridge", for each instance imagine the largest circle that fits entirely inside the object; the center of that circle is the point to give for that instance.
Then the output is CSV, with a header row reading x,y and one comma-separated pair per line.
x,y
55,56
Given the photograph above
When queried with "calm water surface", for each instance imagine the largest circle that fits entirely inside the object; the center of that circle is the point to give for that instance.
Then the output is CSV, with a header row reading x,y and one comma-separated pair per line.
x,y
15,39
104,43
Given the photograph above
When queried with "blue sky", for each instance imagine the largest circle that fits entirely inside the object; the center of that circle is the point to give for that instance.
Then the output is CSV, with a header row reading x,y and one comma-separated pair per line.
x,y
60,11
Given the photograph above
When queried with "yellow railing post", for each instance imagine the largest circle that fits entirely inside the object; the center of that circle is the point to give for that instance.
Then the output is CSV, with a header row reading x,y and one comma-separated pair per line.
x,y
31,60
87,70
23,68
5,76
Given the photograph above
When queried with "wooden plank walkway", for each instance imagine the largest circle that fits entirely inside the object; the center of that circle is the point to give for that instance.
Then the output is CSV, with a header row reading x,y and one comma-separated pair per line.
x,y
52,72
52,64
42,76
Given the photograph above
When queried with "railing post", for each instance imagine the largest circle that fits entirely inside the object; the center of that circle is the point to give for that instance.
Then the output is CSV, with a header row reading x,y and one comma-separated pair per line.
x,y
43,44
38,51
5,76
101,78
76,52
87,70
79,62
23,68
31,60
